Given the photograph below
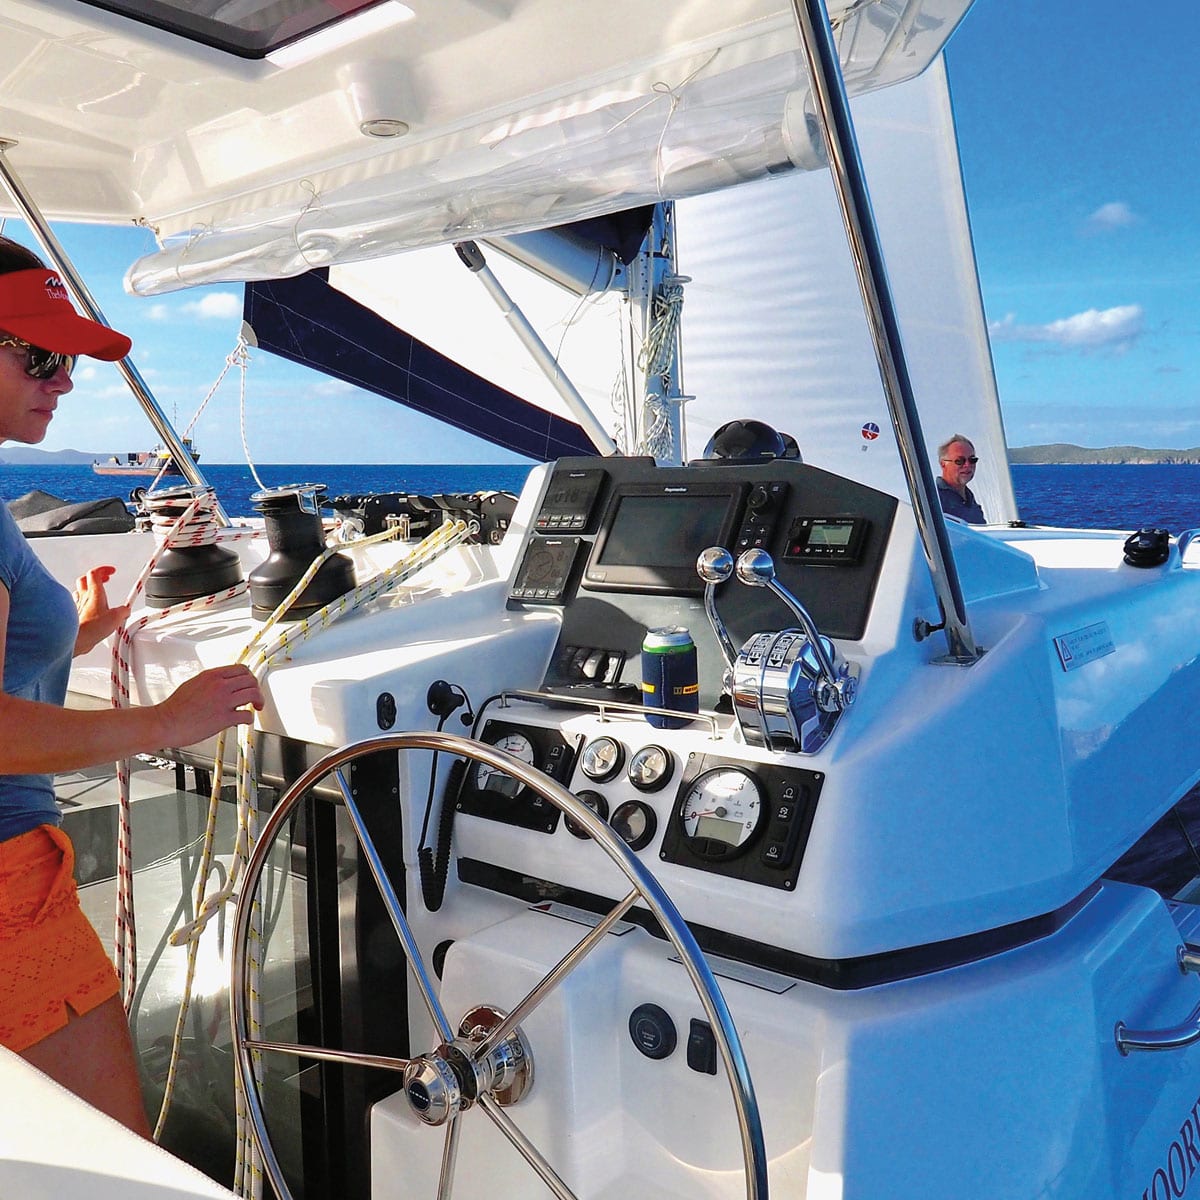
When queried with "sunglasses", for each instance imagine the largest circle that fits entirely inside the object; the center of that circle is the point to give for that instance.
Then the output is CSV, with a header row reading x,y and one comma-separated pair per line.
x,y
39,363
962,462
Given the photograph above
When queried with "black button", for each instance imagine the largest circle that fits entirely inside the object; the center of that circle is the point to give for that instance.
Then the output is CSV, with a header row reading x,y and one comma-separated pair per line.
x,y
652,1030
775,854
702,1048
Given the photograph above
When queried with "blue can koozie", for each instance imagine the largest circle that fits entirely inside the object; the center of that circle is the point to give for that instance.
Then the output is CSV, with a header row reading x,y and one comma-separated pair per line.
x,y
669,678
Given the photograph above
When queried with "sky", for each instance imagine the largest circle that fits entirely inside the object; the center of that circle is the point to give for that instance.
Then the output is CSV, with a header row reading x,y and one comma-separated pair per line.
x,y
1079,153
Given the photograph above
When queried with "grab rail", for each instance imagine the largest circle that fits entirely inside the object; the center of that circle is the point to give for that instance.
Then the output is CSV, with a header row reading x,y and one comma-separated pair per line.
x,y
1176,1036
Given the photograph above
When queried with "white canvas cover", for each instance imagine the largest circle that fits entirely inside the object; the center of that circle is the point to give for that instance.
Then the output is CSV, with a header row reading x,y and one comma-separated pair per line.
x,y
773,324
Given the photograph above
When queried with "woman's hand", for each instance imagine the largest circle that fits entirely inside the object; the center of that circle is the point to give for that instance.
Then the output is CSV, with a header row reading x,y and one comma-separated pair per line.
x,y
208,703
97,619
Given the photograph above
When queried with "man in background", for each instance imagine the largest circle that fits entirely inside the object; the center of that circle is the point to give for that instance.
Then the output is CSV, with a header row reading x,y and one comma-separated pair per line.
x,y
958,459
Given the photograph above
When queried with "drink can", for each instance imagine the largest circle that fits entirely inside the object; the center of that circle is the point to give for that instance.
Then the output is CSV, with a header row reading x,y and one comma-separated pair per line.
x,y
669,678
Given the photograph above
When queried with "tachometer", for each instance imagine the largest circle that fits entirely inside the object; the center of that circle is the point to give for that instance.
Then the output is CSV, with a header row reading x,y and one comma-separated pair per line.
x,y
493,779
721,812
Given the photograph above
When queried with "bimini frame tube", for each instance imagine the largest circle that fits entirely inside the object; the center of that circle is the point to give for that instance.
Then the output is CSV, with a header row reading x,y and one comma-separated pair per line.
x,y
833,112
472,258
79,290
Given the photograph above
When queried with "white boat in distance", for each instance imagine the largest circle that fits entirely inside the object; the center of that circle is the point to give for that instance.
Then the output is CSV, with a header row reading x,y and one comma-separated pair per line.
x,y
746,945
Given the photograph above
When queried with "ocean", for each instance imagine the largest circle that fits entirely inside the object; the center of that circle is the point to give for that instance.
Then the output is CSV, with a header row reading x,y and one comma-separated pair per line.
x,y
1086,497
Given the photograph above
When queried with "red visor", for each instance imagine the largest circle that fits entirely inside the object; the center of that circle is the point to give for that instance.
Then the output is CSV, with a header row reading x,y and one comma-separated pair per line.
x,y
34,306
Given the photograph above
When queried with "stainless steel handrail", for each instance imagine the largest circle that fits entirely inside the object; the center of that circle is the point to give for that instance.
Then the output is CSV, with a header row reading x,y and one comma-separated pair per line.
x,y
845,164
83,297
605,707
1176,1036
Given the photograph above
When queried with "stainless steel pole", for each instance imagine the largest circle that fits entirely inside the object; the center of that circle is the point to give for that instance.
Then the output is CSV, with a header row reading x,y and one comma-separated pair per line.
x,y
83,297
845,164
472,258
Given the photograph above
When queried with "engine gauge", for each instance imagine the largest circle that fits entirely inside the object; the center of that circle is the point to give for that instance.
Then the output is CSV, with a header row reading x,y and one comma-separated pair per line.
x,y
721,811
494,779
635,823
601,759
651,768
596,803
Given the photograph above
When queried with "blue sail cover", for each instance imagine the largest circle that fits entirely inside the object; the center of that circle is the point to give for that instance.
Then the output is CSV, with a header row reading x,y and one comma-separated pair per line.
x,y
306,320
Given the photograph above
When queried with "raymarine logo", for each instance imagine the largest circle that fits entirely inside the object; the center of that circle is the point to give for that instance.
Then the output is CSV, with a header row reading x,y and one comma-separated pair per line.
x,y
54,288
682,491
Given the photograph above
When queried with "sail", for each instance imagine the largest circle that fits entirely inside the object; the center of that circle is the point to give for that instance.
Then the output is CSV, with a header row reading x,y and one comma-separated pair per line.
x,y
773,325
773,321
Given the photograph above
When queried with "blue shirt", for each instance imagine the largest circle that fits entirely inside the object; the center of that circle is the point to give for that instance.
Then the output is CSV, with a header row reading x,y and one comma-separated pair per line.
x,y
42,626
967,510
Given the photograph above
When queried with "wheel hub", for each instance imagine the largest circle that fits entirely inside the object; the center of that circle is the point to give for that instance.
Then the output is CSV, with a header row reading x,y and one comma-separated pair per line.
x,y
450,1079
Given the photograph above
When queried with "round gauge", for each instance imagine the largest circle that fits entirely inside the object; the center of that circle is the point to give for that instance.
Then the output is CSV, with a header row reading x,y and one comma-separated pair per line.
x,y
596,803
601,758
651,768
634,823
493,779
721,811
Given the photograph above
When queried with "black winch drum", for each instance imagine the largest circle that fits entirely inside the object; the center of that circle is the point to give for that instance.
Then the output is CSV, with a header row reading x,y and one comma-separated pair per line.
x,y
296,538
183,573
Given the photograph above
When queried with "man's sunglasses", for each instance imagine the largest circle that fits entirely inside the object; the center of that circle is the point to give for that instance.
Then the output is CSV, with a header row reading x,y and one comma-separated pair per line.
x,y
39,363
962,462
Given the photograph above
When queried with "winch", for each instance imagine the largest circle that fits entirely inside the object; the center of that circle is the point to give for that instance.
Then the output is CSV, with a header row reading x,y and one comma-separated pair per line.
x,y
291,514
186,572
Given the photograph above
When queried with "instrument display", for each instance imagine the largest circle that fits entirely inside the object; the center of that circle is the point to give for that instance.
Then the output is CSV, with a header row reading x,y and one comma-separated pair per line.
x,y
749,823
721,811
488,791
833,541
652,534
651,768
602,758
545,570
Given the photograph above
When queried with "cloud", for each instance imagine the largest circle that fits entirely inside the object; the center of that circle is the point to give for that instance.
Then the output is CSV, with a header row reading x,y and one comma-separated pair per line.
x,y
1097,329
216,306
1109,217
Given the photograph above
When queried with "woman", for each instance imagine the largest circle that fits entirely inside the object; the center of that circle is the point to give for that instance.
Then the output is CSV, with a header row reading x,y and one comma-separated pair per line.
x,y
59,1002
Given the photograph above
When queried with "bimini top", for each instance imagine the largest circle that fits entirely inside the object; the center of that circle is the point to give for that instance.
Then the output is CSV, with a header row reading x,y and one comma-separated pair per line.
x,y
292,136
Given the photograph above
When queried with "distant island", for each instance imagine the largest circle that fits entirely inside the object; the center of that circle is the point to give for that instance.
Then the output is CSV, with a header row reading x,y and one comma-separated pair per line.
x,y
1064,453
27,456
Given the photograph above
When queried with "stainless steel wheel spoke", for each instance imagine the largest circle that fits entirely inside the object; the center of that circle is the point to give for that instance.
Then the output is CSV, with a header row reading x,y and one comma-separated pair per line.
x,y
526,1148
349,1057
395,911
503,1041
551,980
449,1158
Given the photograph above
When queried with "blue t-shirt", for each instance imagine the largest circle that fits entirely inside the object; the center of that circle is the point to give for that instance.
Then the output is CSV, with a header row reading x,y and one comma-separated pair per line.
x,y
42,626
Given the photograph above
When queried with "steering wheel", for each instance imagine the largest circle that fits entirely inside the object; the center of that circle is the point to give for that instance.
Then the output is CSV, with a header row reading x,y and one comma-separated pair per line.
x,y
487,1062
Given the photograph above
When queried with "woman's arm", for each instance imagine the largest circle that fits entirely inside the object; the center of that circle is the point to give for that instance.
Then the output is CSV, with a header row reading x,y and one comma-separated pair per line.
x,y
40,738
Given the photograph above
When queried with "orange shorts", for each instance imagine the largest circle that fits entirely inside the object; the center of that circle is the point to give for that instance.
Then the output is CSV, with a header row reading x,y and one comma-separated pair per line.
x,y
51,958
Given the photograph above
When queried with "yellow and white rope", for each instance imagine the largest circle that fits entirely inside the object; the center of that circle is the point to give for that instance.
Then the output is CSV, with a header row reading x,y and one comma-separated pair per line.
x,y
260,653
